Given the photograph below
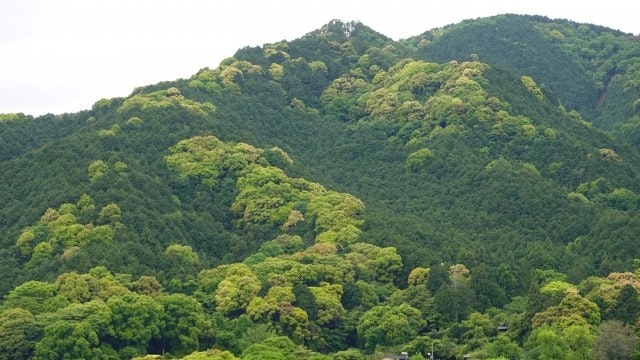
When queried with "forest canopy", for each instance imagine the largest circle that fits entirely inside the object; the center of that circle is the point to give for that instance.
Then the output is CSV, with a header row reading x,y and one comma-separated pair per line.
x,y
470,191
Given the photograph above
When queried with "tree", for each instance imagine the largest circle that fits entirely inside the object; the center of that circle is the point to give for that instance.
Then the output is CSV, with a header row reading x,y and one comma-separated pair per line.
x,y
502,347
438,276
418,276
136,319
213,354
94,312
18,334
182,258
235,292
73,287
349,354
531,85
305,300
64,340
626,307
252,334
327,297
545,343
147,285
389,325
581,340
273,348
34,296
97,169
110,214
276,71
184,322
572,310
42,254
455,300
615,341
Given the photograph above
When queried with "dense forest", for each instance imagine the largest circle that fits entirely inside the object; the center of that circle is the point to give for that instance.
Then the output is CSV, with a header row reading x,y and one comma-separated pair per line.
x,y
470,192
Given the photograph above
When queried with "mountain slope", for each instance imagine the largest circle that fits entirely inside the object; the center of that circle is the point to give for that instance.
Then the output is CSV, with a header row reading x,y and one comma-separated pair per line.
x,y
328,186
588,68
437,145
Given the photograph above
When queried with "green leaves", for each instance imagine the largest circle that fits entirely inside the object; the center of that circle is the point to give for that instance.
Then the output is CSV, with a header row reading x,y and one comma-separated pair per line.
x,y
63,339
267,196
59,232
35,296
183,323
170,99
531,85
387,325
209,159
97,169
136,319
18,332
236,291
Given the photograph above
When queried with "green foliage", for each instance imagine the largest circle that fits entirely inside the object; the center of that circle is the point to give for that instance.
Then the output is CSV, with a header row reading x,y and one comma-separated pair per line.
x,y
67,340
235,292
386,325
208,158
162,100
182,241
136,319
417,159
531,85
181,255
59,233
18,332
615,341
546,343
184,322
97,169
266,195
276,71
34,296
213,354
13,117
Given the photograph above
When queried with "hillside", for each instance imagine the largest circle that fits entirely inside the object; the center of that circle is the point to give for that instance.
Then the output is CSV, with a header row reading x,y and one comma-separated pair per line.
x,y
338,196
589,68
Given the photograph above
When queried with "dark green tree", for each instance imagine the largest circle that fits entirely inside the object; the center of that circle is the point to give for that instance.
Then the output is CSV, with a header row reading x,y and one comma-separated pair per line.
x,y
626,307
615,341
183,323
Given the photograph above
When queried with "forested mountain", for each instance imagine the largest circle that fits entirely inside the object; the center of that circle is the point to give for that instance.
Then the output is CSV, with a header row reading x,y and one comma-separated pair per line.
x,y
471,190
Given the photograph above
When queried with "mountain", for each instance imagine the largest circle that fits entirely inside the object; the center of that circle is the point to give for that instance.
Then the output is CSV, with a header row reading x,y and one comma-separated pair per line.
x,y
589,68
342,193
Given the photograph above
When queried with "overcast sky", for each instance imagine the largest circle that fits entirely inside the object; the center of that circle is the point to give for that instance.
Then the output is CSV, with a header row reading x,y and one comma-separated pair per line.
x,y
61,56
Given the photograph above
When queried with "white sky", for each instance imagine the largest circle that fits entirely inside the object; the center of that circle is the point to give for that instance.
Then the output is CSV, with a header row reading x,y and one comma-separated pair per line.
x,y
61,56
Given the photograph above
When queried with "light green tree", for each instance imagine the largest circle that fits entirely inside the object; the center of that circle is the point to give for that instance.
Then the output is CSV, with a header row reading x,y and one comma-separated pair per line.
x,y
97,169
546,343
276,71
73,287
182,255
581,340
110,214
235,292
389,325
213,354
